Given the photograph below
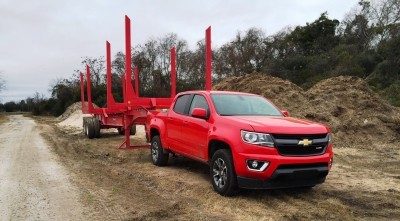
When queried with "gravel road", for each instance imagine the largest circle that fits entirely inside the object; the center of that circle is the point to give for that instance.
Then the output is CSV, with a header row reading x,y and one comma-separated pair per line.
x,y
33,184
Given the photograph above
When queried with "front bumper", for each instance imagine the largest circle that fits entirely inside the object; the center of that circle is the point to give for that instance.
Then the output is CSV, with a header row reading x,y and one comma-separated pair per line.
x,y
289,176
282,171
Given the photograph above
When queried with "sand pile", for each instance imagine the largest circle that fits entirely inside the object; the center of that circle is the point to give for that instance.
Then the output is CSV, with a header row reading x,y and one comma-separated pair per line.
x,y
70,110
355,114
73,116
74,120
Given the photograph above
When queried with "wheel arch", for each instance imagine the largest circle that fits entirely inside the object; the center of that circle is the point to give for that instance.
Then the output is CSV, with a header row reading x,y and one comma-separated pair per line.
x,y
216,144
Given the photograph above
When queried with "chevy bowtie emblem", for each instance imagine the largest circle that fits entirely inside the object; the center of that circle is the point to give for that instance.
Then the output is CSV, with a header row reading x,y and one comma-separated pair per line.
x,y
305,142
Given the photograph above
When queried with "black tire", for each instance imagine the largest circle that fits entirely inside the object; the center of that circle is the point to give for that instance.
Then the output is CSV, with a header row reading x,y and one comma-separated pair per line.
x,y
222,171
96,124
158,156
133,130
121,131
90,128
84,127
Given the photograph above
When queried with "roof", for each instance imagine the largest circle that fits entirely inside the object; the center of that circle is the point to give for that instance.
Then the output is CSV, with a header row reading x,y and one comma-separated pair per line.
x,y
217,92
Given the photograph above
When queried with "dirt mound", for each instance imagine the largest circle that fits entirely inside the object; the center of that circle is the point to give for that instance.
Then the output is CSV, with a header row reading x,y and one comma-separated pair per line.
x,y
355,114
354,111
70,110
72,118
284,94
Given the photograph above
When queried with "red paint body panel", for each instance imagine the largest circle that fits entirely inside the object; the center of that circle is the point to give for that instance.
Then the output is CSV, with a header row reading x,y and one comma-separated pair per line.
x,y
191,136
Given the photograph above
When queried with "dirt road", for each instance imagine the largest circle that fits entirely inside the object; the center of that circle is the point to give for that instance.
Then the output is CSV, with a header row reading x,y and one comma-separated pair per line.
x,y
33,184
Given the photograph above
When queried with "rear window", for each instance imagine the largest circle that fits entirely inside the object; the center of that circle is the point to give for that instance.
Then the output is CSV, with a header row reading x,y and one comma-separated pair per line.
x,y
180,104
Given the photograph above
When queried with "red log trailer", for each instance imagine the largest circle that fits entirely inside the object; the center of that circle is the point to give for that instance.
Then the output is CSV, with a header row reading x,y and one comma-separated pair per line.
x,y
133,110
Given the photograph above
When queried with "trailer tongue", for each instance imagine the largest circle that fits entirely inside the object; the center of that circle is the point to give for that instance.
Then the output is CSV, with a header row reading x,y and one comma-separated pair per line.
x,y
133,110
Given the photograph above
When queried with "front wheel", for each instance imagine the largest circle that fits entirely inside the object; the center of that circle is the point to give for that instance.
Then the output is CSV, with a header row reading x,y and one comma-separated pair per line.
x,y
158,156
223,176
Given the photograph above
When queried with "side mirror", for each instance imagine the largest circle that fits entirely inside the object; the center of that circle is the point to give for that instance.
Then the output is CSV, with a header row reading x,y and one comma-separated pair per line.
x,y
199,113
285,113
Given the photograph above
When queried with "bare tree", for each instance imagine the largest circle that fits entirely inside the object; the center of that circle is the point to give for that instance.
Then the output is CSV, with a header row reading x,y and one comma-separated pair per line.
x,y
245,54
97,69
384,16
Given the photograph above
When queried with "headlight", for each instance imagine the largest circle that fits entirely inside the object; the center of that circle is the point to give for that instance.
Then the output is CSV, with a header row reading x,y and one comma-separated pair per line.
x,y
257,138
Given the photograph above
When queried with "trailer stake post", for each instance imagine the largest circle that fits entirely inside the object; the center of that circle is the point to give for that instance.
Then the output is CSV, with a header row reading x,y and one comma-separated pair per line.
x,y
173,73
208,59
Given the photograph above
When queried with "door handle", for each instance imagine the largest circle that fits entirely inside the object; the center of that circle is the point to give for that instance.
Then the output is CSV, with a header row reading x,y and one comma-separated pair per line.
x,y
185,123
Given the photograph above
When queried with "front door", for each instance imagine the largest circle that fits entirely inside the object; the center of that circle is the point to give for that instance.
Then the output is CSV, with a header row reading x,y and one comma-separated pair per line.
x,y
195,130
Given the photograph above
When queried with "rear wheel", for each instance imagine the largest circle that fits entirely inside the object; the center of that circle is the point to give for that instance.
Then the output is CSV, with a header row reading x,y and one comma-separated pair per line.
x,y
84,125
223,175
158,156
96,124
121,131
90,128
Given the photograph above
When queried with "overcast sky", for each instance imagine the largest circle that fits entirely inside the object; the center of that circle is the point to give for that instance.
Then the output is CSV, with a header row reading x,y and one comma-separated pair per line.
x,y
44,40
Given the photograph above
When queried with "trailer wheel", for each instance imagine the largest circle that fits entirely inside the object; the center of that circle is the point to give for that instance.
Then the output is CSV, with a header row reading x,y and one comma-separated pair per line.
x,y
222,171
84,127
96,124
121,131
158,156
90,128
133,130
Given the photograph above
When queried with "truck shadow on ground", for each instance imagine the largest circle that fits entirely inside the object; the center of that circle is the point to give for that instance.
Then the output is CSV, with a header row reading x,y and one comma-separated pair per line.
x,y
203,172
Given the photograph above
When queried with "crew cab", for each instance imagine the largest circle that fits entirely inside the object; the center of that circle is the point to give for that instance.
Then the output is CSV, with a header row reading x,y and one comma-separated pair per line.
x,y
247,141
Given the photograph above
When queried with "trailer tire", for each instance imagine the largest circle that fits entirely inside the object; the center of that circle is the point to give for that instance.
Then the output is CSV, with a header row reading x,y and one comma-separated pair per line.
x,y
96,124
121,131
84,127
158,156
133,130
90,128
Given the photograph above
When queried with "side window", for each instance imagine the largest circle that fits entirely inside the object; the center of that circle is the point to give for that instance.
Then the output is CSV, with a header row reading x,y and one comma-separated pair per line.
x,y
180,104
199,102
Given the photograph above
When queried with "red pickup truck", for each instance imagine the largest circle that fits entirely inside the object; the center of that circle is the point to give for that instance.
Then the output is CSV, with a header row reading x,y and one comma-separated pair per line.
x,y
246,140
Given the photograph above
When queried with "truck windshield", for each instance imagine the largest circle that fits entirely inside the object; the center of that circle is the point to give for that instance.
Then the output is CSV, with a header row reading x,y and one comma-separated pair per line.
x,y
238,104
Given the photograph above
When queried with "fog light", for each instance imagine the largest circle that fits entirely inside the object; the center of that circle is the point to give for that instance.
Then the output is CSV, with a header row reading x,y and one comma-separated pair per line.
x,y
256,165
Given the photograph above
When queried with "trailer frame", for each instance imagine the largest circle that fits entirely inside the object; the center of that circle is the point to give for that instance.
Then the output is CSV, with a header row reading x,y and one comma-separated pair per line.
x,y
133,110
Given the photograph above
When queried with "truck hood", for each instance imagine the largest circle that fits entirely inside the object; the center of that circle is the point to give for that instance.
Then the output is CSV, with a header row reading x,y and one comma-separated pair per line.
x,y
281,125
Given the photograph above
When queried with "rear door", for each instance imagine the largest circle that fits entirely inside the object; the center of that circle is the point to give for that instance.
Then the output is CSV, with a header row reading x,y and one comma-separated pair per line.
x,y
175,122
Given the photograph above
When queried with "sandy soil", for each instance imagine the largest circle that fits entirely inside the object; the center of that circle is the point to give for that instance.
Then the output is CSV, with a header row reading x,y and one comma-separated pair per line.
x,y
364,184
33,184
